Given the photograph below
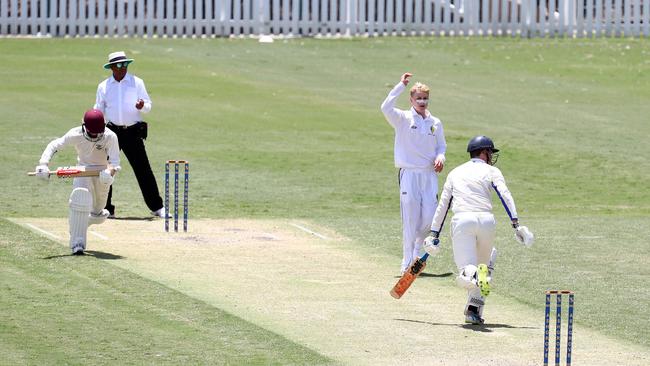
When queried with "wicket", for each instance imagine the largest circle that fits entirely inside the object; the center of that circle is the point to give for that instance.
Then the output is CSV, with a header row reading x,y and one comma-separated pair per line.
x,y
185,193
558,325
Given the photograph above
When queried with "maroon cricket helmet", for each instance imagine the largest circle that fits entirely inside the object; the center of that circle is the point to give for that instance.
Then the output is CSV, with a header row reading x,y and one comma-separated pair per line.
x,y
94,121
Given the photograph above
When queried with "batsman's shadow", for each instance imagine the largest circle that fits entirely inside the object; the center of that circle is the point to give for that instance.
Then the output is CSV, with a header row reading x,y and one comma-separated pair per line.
x,y
483,328
133,218
435,275
89,253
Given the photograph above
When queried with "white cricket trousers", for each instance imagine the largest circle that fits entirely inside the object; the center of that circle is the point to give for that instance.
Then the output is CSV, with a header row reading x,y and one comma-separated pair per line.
x,y
472,235
418,201
97,190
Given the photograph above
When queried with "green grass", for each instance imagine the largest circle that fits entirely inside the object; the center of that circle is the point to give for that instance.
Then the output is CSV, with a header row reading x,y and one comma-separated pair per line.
x,y
72,310
293,129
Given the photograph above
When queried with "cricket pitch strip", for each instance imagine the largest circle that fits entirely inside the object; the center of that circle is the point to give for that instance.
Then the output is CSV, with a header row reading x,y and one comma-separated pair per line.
x,y
318,289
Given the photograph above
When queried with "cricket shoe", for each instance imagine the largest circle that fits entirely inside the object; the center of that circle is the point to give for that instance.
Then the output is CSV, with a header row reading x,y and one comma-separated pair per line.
x,y
483,280
162,212
473,318
78,250
98,218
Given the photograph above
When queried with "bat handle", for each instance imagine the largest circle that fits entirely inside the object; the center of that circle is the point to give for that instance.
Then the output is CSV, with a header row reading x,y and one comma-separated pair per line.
x,y
424,257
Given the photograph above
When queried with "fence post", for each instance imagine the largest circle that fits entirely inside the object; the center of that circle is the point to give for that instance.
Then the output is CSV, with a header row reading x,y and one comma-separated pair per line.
x,y
646,18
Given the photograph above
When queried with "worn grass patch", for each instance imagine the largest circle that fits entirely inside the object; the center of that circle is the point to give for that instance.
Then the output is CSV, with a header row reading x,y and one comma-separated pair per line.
x,y
63,309
330,295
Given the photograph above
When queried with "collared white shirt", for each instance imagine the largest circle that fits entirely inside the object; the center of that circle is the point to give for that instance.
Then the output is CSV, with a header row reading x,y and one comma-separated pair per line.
x,y
88,153
117,100
418,141
471,185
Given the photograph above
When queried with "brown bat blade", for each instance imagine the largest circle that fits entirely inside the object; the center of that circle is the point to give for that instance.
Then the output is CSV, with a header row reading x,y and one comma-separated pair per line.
x,y
409,276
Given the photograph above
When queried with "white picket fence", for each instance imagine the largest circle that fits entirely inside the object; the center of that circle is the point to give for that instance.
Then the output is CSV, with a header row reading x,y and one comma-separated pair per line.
x,y
198,18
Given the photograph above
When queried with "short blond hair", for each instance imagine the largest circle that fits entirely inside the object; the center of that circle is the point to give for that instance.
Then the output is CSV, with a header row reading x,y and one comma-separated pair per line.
x,y
419,87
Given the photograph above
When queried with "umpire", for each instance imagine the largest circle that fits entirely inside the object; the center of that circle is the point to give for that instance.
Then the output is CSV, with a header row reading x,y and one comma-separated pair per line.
x,y
123,98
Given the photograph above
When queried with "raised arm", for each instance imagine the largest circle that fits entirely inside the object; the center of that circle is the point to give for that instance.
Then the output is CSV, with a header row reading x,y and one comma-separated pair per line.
x,y
392,114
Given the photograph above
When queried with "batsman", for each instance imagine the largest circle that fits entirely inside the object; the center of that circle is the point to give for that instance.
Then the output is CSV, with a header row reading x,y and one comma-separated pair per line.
x,y
468,192
95,147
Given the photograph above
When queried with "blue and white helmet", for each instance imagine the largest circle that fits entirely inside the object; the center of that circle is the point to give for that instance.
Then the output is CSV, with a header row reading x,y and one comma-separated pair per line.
x,y
480,143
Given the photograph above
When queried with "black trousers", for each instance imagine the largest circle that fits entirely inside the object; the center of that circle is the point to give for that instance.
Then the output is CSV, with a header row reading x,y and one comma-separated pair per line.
x,y
132,144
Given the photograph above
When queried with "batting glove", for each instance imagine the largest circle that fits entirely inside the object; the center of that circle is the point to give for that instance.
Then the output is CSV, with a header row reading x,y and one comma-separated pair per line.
x,y
524,236
42,172
105,177
432,243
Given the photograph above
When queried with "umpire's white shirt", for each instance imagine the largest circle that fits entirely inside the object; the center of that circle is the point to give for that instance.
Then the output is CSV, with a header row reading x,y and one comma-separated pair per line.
x,y
418,141
117,100
471,185
88,153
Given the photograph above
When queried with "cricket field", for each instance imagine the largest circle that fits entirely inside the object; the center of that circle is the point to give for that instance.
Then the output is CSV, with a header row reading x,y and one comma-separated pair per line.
x,y
294,235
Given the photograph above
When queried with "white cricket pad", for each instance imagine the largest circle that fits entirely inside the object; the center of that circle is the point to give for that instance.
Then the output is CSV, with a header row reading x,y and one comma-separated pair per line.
x,y
467,277
80,203
474,298
493,260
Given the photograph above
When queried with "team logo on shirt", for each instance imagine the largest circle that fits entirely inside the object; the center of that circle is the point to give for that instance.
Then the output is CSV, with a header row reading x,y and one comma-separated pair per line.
x,y
99,147
433,129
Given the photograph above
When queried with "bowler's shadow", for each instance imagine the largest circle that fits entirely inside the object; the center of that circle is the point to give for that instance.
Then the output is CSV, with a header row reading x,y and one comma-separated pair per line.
x,y
90,253
484,328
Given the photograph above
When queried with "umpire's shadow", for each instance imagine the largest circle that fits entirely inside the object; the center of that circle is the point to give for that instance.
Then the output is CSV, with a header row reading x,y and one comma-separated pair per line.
x,y
483,328
89,253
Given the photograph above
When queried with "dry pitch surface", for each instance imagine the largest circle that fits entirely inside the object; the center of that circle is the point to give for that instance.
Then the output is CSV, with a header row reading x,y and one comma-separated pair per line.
x,y
321,291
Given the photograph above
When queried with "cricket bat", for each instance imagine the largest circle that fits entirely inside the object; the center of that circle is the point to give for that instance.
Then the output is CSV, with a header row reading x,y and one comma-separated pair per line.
x,y
74,171
409,276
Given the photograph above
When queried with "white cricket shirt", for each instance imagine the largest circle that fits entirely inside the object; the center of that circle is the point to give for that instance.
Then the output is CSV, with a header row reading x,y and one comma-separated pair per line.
x,y
471,185
117,100
88,153
418,141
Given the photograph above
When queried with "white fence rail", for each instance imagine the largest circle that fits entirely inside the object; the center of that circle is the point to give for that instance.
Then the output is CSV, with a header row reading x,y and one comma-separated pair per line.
x,y
524,18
